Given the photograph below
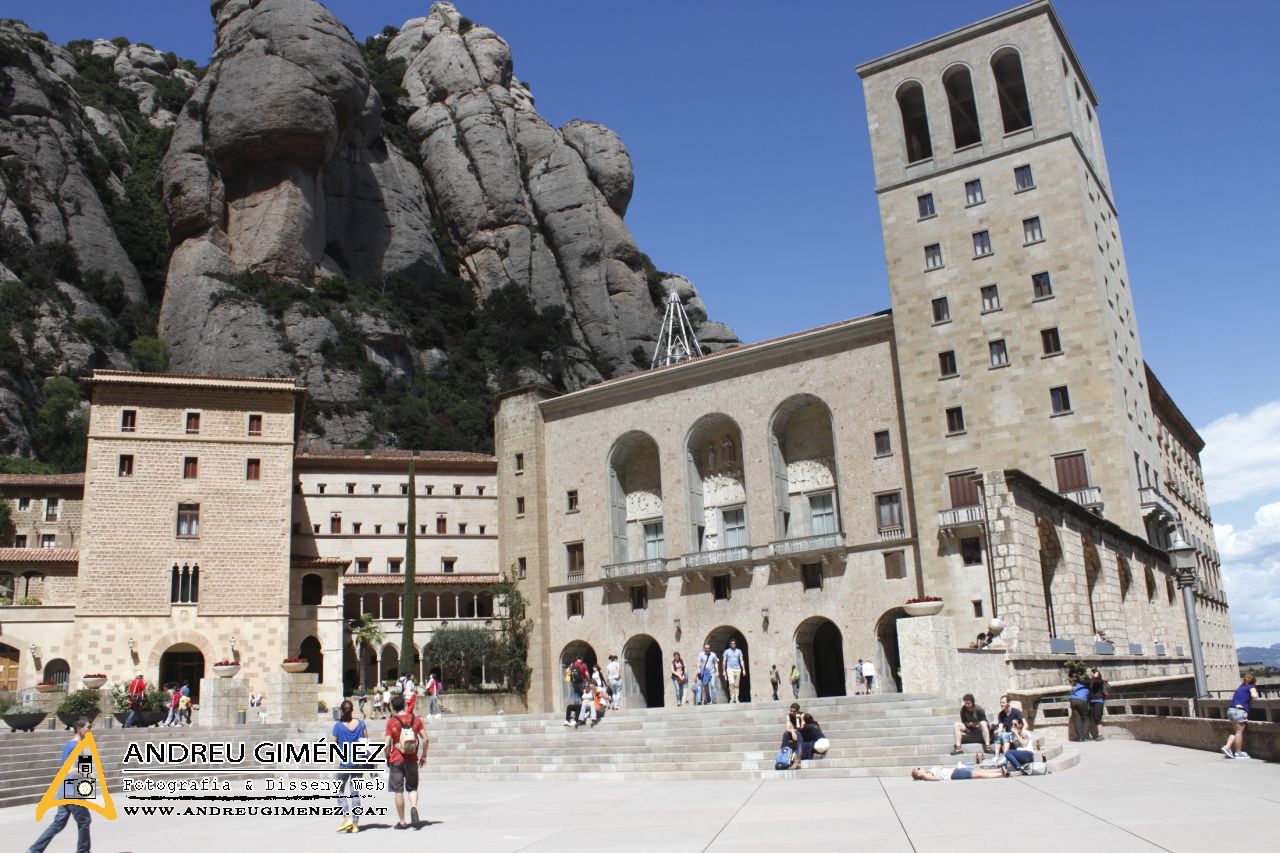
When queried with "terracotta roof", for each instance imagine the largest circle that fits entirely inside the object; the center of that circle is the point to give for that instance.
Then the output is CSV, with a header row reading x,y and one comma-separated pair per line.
x,y
76,479
39,555
300,562
133,377
434,579
394,454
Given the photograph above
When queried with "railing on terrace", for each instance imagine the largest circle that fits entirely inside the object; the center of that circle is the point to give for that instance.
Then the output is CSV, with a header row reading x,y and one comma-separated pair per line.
x,y
888,534
961,516
1088,497
718,557
635,568
806,544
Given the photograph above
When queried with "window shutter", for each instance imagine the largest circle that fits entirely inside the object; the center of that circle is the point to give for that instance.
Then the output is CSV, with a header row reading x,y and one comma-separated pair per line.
x,y
617,517
963,491
1071,472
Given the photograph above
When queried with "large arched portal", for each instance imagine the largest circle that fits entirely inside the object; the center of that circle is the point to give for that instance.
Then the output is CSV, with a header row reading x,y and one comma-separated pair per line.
x,y
887,660
717,485
820,656
635,499
719,640
182,662
310,650
571,652
643,674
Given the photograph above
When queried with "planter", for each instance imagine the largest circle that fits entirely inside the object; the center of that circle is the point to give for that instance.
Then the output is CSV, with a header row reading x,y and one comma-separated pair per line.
x,y
153,718
49,688
69,720
294,666
121,717
924,608
93,682
226,671
24,722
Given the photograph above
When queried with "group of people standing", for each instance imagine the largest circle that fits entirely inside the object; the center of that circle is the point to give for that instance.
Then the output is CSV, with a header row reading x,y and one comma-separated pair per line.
x,y
1089,694
729,669
380,696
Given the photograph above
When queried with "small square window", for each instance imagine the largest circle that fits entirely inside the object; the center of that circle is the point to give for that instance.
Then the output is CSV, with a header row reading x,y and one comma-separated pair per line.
x,y
377,530
977,608
129,420
422,530
253,469
933,256
990,298
522,568
447,564
941,310
1031,232
973,193
884,444
479,490
1041,286
355,527
190,468
404,488
462,528
428,489
981,244
999,353
573,500
480,527
895,566
393,565
320,487
1022,178
193,423
1060,400
315,528
721,589
24,504
457,488
351,488
924,204
519,506
574,603
971,551
376,488
402,528
639,597
189,520
20,540
1050,341
811,575
362,567
125,466
955,420
519,463
48,540
947,364
255,424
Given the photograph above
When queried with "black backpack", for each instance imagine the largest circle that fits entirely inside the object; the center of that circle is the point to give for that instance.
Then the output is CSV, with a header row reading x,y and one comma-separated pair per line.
x,y
575,675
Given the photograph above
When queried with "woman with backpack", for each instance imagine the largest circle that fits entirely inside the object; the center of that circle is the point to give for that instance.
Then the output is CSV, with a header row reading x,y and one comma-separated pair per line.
x,y
346,732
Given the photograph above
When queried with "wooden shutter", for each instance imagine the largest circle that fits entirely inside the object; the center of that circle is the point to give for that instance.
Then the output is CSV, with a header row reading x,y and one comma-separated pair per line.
x,y
963,491
617,517
1071,472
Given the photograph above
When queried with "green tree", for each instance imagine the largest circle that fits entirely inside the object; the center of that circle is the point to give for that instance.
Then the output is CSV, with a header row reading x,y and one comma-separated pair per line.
x,y
511,650
364,632
458,650
409,597
61,425
150,354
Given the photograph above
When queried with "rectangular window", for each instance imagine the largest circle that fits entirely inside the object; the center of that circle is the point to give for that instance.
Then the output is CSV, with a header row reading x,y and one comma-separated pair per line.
x,y
376,488
422,530
351,488
24,504
955,420
377,530
362,566
188,519
355,527
447,564
253,469
47,540
442,524
193,423
889,510
1060,400
20,540
822,514
964,491
1071,471
925,204
522,568
977,608
884,444
1041,287
320,487
655,545
1022,179
990,298
335,522
971,551
981,244
462,528
735,527
574,604
1031,232
947,364
255,424
1050,341
572,500
933,256
639,597
129,420
973,193
190,468
811,575
402,528
393,565
895,566
999,353
575,560
721,588
479,490
125,466
404,488
481,526
519,506
428,489
457,488
941,310
519,463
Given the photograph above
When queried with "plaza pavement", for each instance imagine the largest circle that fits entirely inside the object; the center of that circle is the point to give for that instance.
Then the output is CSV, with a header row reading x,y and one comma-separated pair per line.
x,y
1123,796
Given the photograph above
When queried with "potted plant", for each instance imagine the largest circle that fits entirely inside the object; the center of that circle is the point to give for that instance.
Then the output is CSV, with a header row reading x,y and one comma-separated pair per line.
x,y
23,718
50,687
924,605
82,703
226,668
94,681
120,702
294,664
155,706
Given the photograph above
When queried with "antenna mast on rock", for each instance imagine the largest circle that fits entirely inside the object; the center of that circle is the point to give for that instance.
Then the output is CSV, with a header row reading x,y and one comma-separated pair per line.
x,y
676,341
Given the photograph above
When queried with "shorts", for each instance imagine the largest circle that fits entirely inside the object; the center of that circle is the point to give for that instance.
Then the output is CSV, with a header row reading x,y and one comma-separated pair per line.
x,y
1237,715
961,773
1004,737
402,777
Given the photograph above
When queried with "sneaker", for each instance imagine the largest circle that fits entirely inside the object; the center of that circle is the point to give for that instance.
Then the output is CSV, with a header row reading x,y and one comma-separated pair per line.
x,y
346,826
1226,750
955,750
989,748
413,816
1098,738
567,723
1242,755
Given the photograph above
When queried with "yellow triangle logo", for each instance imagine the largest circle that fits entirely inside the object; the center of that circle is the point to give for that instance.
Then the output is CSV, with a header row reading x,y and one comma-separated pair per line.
x,y
81,790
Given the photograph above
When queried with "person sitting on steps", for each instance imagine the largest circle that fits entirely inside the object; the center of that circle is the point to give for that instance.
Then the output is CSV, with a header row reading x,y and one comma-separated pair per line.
x,y
973,727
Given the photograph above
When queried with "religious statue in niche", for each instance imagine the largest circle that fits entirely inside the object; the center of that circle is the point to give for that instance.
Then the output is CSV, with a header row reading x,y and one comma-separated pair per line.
x,y
722,459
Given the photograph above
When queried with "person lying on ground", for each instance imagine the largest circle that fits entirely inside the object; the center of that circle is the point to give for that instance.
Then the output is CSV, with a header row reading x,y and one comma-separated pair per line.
x,y
954,774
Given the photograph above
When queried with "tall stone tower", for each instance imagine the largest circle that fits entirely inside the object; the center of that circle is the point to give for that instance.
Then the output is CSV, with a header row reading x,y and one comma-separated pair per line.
x,y
1016,337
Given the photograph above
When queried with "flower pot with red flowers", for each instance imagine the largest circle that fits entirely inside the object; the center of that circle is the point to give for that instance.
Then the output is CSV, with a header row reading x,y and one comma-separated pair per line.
x,y
295,664
50,687
226,668
94,681
925,605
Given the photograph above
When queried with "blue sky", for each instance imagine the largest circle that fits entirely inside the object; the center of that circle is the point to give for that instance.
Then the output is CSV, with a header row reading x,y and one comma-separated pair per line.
x,y
745,122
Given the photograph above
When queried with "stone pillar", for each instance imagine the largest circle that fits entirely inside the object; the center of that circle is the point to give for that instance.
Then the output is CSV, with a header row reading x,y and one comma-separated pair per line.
x,y
329,631
221,700
292,697
927,654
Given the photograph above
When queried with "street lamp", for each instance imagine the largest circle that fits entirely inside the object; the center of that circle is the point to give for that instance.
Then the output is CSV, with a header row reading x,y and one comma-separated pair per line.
x,y
1183,558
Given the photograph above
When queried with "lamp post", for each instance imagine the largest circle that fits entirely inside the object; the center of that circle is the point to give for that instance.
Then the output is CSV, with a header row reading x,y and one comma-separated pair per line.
x,y
1183,557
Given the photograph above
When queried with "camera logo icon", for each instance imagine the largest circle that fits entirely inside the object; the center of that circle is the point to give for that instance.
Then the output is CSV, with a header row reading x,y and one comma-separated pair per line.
x,y
85,787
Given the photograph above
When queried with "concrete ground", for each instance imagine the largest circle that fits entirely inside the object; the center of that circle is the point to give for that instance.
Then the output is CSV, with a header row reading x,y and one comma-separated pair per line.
x,y
1124,795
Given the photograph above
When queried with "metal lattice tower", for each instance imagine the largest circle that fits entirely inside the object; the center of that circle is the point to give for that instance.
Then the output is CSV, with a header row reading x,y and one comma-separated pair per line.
x,y
676,341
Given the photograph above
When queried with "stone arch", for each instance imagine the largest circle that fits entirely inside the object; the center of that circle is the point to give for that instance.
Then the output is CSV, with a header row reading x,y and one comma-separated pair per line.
x,y
957,80
59,672
1150,578
311,650
719,639
1125,574
888,660
172,638
819,649
634,472
389,662
717,484
802,454
312,590
182,662
644,672
569,654
915,121
351,606
1011,88
1050,561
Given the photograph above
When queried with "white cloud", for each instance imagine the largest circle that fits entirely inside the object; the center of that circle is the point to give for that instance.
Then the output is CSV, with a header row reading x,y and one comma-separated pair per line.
x,y
1241,458
1251,572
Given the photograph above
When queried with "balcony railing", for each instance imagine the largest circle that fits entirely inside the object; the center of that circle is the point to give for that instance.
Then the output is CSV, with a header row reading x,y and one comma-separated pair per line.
x,y
1089,497
635,568
888,534
575,575
961,516
1154,501
718,557
806,545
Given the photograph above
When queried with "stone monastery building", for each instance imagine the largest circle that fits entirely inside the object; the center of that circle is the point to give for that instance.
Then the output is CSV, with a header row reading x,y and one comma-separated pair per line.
x,y
996,441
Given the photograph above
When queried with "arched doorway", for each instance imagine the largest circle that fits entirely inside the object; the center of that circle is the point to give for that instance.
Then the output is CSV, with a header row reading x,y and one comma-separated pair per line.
x,y
820,656
887,660
643,674
719,640
570,653
8,669
182,662
310,649
390,663
58,671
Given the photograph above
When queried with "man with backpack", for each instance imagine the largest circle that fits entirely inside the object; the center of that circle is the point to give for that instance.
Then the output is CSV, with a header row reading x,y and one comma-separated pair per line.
x,y
406,752
577,676
137,689
708,672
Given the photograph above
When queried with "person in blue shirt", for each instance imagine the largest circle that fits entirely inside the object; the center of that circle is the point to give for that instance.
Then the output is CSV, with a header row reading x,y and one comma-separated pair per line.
x,y
1238,714
735,669
1080,714
66,812
347,731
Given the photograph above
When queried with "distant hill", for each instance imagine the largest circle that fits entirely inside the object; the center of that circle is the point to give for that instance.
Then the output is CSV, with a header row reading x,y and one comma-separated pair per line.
x,y
1258,654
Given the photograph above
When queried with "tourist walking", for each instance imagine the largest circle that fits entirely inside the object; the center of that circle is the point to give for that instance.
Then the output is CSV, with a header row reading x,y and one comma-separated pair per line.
x,y
1238,714
858,677
1080,707
377,701
1098,690
735,669
679,678
409,691
66,812
406,752
614,671
175,699
137,688
386,698
576,675
361,700
795,682
869,676
346,732
775,680
433,695
708,671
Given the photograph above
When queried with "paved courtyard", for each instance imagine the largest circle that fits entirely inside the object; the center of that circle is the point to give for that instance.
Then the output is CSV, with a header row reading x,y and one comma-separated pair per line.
x,y
1123,796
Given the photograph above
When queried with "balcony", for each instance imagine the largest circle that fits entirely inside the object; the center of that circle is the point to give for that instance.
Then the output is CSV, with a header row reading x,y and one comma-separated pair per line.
x,y
1154,502
636,568
889,534
1090,497
806,545
963,516
575,574
719,557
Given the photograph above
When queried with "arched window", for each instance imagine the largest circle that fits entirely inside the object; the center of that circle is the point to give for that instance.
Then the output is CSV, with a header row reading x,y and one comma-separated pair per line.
x,y
915,122
312,589
58,671
964,107
1006,67
184,584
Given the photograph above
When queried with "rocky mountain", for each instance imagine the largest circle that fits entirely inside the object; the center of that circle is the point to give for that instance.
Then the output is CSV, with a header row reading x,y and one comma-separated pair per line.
x,y
391,221
1267,655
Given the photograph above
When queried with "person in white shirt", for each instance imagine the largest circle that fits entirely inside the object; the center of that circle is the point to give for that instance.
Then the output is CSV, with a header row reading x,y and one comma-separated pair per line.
x,y
869,676
708,674
614,672
954,774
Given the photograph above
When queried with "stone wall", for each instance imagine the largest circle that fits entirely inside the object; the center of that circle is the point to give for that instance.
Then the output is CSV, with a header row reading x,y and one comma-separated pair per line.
x,y
478,704
1261,740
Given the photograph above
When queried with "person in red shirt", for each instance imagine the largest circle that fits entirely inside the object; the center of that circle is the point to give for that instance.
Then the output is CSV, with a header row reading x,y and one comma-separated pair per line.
x,y
137,688
406,752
